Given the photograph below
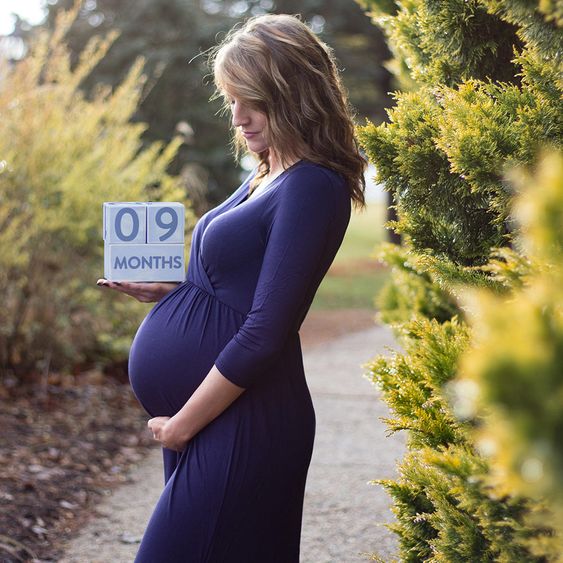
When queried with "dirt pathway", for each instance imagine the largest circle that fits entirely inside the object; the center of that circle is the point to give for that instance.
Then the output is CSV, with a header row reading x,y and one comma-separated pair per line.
x,y
343,514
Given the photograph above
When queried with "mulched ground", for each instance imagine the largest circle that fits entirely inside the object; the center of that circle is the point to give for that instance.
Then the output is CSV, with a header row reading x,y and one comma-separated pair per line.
x,y
68,441
64,444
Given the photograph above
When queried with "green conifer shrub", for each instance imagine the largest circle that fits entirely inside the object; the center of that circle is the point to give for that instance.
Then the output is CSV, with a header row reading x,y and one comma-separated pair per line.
x,y
61,157
484,96
445,508
515,366
411,290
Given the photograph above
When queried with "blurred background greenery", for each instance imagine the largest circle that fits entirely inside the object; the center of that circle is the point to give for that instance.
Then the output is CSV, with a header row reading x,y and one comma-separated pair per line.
x,y
109,100
172,36
356,276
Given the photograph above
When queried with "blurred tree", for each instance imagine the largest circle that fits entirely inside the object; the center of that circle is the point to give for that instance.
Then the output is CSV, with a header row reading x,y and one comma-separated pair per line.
x,y
171,34
61,157
168,34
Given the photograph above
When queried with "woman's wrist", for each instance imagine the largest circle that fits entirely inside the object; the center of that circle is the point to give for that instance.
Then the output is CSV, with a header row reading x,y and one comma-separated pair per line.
x,y
181,429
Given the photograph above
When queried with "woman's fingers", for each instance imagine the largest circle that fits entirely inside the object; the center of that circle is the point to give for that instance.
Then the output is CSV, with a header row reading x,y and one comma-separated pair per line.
x,y
107,283
143,292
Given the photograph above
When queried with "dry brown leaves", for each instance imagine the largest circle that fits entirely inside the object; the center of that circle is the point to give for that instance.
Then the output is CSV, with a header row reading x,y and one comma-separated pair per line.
x,y
62,449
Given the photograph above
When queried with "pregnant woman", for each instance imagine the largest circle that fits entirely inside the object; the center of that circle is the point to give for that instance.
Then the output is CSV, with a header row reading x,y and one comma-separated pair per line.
x,y
217,363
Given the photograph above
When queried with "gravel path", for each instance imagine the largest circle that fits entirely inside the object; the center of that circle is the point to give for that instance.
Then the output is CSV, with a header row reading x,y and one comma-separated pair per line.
x,y
343,514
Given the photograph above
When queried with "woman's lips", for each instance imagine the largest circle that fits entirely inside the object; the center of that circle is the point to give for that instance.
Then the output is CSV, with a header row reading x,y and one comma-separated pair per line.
x,y
248,134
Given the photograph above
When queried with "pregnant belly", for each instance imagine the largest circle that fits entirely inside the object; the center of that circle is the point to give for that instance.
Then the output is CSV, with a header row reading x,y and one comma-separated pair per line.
x,y
176,346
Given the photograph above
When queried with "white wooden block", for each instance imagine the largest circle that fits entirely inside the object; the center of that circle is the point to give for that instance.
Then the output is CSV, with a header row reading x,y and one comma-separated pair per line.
x,y
165,222
144,262
125,222
143,241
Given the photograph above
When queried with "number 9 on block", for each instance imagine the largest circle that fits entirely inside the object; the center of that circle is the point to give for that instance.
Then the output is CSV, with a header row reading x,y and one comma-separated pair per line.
x,y
143,241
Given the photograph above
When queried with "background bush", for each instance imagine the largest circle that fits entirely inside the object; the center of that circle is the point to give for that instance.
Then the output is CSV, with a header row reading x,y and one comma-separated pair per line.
x,y
174,35
483,95
61,157
515,366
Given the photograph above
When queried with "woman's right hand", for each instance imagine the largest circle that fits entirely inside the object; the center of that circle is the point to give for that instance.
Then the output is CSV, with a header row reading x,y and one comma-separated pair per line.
x,y
141,291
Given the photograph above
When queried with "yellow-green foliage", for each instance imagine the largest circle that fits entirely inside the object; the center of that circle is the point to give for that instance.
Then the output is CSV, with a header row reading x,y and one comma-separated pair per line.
x,y
410,291
445,151
413,381
446,511
538,22
488,96
516,364
444,41
61,157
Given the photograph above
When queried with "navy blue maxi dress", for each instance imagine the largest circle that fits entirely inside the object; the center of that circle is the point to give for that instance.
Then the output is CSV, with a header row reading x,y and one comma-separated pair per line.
x,y
235,493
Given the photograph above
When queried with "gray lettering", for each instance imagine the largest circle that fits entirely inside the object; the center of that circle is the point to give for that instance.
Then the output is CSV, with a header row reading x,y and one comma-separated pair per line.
x,y
120,264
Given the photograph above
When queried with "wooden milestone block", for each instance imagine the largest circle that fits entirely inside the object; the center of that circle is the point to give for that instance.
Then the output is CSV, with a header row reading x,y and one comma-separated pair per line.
x,y
125,222
143,241
144,262
165,223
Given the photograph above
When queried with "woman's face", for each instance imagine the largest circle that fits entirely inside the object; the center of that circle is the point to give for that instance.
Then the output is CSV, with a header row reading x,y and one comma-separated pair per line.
x,y
252,124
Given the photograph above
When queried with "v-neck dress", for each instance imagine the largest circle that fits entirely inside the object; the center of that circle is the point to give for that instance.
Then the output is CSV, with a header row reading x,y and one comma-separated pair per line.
x,y
235,493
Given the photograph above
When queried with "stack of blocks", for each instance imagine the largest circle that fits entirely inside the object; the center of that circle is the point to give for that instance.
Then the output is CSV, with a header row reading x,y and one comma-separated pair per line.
x,y
143,241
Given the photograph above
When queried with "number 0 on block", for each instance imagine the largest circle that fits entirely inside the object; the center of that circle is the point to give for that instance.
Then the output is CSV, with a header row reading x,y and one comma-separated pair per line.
x,y
143,241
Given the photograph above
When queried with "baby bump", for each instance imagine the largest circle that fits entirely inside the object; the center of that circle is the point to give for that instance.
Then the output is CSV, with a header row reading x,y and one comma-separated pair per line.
x,y
176,346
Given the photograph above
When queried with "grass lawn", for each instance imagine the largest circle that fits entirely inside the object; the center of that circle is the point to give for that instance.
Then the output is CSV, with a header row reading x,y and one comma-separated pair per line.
x,y
355,278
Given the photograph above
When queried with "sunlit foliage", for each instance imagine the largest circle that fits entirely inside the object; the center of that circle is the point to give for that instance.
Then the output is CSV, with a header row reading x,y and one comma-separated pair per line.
x,y
61,157
481,402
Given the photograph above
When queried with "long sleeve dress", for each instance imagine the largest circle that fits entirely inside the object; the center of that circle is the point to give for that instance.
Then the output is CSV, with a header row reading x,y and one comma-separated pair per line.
x,y
235,493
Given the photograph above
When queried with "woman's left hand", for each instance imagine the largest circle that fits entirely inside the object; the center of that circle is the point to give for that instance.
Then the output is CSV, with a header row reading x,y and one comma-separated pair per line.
x,y
166,431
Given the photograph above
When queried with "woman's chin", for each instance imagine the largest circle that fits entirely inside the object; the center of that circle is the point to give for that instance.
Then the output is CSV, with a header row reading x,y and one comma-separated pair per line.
x,y
256,146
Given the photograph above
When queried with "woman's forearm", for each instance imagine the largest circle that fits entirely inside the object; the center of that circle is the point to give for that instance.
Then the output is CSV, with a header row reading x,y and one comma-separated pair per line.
x,y
209,400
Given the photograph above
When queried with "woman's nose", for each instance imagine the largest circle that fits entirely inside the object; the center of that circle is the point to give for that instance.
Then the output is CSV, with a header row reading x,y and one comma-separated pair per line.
x,y
240,116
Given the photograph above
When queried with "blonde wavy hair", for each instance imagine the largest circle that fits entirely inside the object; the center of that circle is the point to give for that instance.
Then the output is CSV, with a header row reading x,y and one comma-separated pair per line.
x,y
277,65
